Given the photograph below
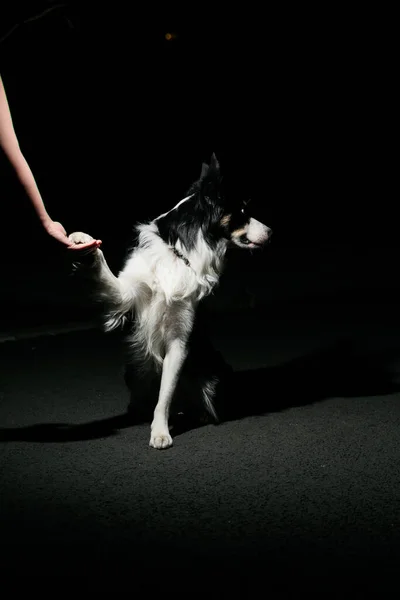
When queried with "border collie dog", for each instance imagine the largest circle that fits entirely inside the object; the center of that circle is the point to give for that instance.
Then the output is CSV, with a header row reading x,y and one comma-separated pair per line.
x,y
177,261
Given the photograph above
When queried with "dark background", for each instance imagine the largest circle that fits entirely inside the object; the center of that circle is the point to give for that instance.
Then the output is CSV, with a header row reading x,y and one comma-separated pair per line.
x,y
115,121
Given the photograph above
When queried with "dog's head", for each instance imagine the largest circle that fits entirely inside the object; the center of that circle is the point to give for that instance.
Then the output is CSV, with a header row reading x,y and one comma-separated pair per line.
x,y
231,219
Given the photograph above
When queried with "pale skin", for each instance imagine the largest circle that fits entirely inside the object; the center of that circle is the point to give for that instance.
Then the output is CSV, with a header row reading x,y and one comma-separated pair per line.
x,y
11,148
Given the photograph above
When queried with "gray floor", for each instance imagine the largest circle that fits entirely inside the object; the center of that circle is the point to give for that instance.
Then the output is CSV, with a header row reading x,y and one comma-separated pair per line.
x,y
301,483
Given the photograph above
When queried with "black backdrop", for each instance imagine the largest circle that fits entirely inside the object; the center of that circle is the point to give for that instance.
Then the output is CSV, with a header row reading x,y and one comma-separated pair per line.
x,y
115,120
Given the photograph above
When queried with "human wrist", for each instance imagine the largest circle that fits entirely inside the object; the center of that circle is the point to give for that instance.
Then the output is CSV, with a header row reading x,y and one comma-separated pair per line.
x,y
46,221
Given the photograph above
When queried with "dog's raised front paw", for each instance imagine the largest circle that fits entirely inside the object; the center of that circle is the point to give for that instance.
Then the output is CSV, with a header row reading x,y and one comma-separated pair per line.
x,y
160,440
78,237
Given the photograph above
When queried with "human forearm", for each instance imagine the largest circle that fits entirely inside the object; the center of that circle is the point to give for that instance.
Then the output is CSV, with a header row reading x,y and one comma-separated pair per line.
x,y
27,180
10,146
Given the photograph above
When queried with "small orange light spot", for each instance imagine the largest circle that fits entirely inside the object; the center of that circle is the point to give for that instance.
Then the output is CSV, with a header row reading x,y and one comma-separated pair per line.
x,y
168,36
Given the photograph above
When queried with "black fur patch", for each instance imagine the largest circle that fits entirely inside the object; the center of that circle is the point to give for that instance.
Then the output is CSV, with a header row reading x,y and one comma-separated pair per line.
x,y
203,211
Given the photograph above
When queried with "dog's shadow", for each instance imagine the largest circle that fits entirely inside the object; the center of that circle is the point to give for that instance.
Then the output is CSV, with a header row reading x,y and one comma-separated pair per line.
x,y
337,371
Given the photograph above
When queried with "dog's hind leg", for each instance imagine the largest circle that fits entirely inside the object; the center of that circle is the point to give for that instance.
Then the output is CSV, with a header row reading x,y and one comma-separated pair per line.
x,y
172,366
143,390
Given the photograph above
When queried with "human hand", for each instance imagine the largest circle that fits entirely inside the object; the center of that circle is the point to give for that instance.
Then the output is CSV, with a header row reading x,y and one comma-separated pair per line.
x,y
57,231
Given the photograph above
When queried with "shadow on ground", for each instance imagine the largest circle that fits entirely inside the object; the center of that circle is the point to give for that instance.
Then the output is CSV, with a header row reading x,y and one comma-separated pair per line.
x,y
334,372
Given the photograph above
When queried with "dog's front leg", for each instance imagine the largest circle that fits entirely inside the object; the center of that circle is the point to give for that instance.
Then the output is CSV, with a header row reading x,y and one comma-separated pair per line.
x,y
172,367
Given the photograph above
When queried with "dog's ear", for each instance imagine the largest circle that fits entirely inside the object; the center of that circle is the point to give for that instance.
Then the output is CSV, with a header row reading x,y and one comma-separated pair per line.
x,y
204,170
214,164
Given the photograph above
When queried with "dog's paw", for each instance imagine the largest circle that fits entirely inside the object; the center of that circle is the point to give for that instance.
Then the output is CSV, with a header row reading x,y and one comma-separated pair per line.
x,y
85,250
160,440
78,237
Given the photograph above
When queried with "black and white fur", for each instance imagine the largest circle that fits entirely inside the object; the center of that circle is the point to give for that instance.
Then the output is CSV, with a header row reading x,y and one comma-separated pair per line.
x,y
176,263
